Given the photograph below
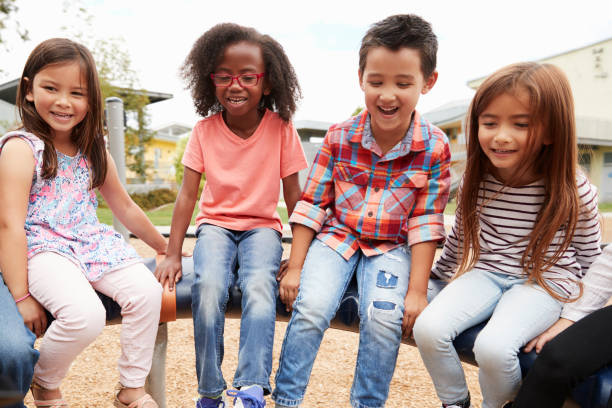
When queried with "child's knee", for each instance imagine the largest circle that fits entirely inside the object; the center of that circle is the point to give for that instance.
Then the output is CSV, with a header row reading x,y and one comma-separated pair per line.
x,y
85,321
382,315
430,332
492,352
146,298
554,363
16,351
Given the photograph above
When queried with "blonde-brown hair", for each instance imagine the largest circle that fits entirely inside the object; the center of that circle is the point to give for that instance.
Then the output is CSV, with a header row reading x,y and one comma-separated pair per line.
x,y
551,118
88,135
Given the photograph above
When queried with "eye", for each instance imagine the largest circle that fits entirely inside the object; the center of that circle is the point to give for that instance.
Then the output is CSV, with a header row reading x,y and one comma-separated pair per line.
x,y
222,79
488,124
522,125
248,79
78,93
404,84
49,88
375,83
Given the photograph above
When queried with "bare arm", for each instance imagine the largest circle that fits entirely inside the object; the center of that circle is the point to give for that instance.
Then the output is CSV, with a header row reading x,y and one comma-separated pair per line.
x,y
16,169
290,282
421,259
128,212
291,191
170,269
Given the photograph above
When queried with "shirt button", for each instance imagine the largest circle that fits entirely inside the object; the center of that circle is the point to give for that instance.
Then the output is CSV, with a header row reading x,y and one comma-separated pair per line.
x,y
377,189
370,213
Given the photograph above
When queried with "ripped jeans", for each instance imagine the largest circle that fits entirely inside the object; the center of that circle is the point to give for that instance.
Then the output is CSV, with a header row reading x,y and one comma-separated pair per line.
x,y
382,282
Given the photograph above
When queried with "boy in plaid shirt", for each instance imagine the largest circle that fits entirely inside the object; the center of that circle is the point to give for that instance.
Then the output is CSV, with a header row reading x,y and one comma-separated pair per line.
x,y
372,205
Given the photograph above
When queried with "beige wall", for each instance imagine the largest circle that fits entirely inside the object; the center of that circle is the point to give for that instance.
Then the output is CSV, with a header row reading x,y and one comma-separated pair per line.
x,y
589,71
590,74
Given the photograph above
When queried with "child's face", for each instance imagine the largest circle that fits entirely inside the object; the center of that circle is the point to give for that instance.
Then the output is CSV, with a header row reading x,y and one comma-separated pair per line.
x,y
392,82
503,135
59,94
241,102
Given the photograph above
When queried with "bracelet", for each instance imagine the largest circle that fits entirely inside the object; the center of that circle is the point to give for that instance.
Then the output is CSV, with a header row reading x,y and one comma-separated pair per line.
x,y
24,297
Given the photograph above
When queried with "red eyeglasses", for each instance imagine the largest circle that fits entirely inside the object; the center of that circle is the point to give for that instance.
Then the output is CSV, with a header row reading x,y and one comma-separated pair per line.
x,y
244,80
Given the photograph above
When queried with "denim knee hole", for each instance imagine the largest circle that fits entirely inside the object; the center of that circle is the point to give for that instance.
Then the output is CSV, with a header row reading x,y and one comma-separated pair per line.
x,y
386,280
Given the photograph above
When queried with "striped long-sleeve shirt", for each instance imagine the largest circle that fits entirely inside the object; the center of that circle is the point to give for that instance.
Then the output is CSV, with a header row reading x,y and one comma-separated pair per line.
x,y
507,218
356,198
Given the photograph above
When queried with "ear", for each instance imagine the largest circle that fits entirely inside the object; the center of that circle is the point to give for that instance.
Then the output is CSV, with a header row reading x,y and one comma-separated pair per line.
x,y
266,87
429,82
360,80
29,96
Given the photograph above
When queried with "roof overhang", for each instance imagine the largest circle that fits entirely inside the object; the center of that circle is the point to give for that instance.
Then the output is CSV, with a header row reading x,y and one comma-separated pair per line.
x,y
8,93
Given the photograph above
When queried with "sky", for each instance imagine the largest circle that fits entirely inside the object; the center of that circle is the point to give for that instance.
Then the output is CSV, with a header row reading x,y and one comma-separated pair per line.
x,y
320,37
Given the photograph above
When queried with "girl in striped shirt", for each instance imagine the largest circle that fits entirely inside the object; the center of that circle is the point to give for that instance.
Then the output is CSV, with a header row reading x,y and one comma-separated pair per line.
x,y
526,231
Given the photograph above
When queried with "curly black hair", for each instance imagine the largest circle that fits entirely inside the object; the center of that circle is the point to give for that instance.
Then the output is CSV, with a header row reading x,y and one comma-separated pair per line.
x,y
402,30
207,52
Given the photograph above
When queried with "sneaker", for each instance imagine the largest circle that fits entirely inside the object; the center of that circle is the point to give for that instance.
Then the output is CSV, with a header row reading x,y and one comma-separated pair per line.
x,y
205,402
461,404
248,397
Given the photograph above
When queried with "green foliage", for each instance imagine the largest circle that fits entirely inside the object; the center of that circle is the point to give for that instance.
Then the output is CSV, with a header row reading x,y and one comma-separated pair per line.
x,y
178,166
178,156
7,10
117,78
154,199
146,201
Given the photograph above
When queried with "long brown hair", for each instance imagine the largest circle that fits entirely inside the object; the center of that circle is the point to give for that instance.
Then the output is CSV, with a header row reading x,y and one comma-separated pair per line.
x,y
88,135
551,118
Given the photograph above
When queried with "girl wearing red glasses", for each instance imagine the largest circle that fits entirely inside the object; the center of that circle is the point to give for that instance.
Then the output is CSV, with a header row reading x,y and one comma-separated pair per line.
x,y
246,89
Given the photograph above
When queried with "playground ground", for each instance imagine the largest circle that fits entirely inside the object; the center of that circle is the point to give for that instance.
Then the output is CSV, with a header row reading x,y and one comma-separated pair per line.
x,y
93,375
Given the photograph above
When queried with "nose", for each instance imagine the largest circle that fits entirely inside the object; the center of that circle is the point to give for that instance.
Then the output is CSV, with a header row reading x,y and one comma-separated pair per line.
x,y
387,94
503,135
62,99
235,84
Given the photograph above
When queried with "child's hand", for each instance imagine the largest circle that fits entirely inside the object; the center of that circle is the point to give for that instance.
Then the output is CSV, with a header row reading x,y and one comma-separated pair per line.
x,y
33,315
170,269
413,306
548,335
282,270
289,285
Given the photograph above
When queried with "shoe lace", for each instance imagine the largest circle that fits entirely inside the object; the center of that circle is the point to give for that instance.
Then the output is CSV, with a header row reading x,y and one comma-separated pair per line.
x,y
252,401
210,403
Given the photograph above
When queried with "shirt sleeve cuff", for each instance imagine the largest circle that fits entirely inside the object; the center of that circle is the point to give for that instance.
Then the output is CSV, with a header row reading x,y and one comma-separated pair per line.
x,y
424,228
571,314
309,215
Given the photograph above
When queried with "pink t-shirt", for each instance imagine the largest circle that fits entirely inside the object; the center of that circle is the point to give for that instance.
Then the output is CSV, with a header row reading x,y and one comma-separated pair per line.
x,y
243,175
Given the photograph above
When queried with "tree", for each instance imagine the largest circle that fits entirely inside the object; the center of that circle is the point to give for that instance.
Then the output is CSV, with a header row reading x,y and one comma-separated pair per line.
x,y
7,9
117,78
8,24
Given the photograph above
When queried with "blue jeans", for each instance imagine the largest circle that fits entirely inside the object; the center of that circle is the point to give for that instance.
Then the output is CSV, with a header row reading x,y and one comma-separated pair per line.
x,y
518,312
218,251
382,283
17,354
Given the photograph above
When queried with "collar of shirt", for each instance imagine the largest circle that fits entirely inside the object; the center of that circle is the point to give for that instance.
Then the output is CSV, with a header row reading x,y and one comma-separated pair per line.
x,y
361,132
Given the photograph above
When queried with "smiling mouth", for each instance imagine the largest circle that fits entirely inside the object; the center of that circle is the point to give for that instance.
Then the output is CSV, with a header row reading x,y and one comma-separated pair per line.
x,y
236,101
387,111
62,116
503,151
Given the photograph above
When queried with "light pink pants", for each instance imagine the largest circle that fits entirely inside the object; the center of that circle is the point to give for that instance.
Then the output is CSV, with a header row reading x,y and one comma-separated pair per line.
x,y
59,286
